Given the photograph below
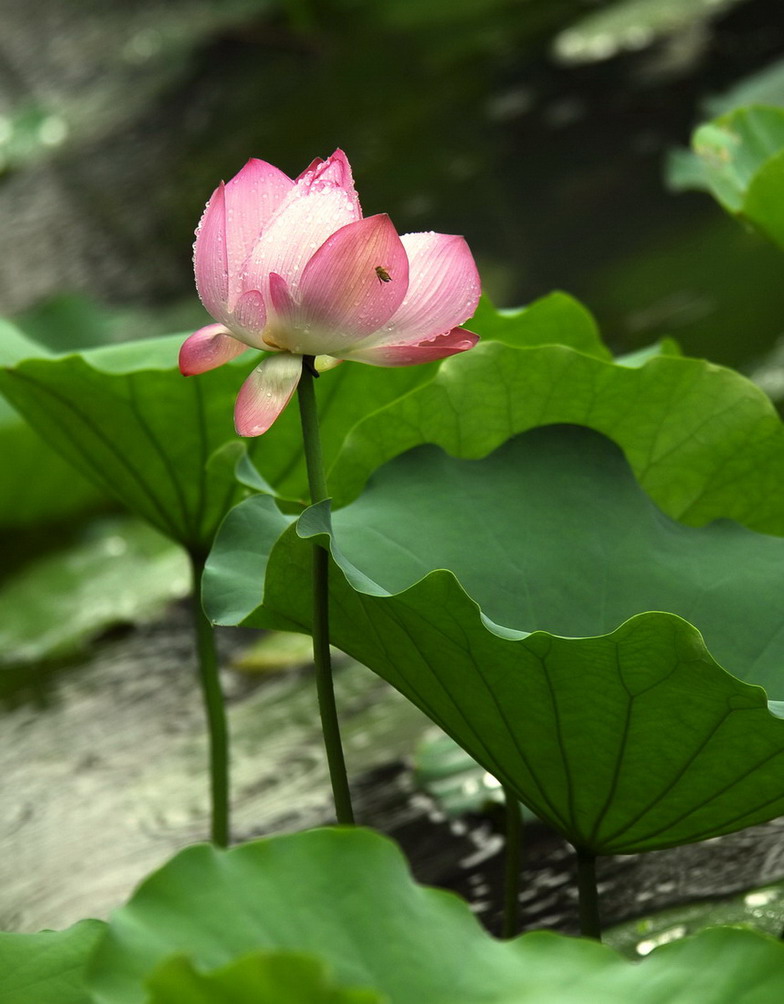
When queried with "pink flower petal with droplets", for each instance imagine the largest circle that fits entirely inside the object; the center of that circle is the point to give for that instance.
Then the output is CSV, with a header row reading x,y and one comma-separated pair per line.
x,y
252,198
210,260
283,314
207,348
302,223
334,171
439,347
280,296
443,290
229,227
342,296
316,162
249,318
266,393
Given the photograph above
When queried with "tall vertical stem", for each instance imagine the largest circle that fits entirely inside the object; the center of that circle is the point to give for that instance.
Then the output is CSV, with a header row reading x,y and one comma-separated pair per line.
x,y
324,687
215,709
513,861
590,925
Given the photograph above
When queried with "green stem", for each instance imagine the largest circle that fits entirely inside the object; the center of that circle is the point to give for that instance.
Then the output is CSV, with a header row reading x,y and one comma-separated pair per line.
x,y
590,926
513,850
317,481
215,708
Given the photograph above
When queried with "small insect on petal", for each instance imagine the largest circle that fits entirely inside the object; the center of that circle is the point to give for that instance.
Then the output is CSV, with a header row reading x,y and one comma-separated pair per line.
x,y
383,275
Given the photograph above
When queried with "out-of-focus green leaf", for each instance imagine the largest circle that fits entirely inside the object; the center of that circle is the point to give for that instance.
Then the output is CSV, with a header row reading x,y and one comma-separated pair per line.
x,y
761,87
455,780
47,968
761,909
630,25
625,737
346,896
67,322
739,158
260,978
122,571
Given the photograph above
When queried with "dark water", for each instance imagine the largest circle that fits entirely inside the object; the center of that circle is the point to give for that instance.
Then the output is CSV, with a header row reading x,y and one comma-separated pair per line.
x,y
458,117
107,781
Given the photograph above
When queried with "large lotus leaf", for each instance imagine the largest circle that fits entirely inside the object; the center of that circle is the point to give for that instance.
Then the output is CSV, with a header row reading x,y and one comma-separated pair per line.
x,y
556,319
739,158
47,968
259,978
346,896
631,740
126,417
350,392
36,484
703,441
552,532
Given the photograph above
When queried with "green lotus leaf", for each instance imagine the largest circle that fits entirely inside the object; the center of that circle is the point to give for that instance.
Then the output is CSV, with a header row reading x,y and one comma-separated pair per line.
x,y
346,896
126,418
739,159
121,570
454,780
555,319
621,730
351,392
703,441
37,484
47,968
259,978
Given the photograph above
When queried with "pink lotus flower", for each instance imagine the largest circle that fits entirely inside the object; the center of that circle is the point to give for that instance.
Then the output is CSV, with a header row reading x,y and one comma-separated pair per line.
x,y
293,268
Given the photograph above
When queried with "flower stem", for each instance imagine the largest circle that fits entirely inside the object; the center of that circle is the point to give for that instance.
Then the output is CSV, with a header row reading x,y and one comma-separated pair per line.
x,y
513,862
215,708
317,481
590,926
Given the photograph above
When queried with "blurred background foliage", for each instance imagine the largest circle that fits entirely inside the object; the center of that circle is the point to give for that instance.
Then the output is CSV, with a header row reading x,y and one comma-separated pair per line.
x,y
540,129
537,128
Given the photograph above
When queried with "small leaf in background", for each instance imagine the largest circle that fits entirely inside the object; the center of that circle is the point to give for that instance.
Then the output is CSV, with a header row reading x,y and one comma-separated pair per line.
x,y
277,651
120,571
456,781
739,159
260,978
47,968
69,322
761,909
631,25
347,897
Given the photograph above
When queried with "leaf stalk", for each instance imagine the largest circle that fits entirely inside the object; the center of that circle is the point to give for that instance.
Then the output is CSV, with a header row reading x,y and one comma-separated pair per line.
x,y
325,690
215,708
